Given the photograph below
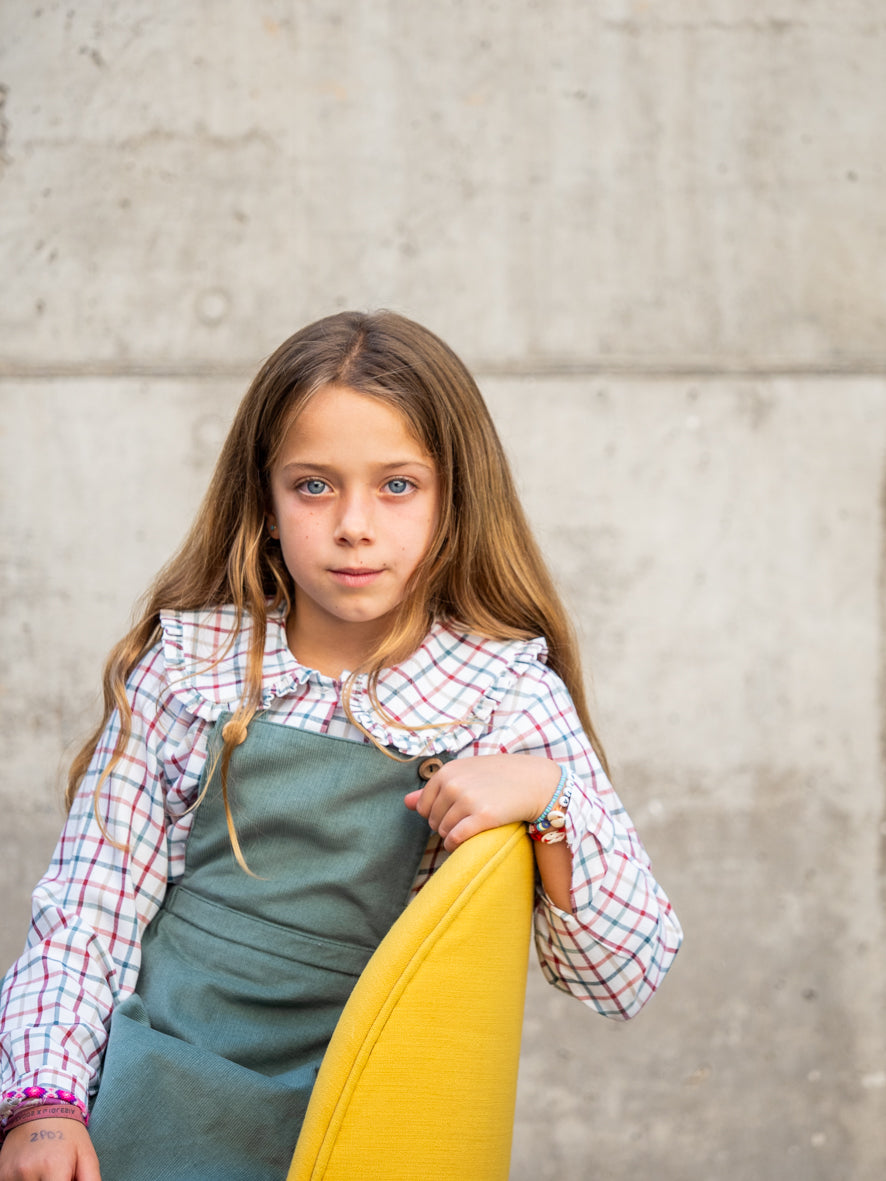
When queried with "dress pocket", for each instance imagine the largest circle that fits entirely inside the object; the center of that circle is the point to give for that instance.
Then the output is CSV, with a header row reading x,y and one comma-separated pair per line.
x,y
168,1110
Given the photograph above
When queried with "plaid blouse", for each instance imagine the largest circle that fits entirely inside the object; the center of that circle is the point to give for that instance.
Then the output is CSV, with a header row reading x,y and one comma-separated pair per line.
x,y
479,697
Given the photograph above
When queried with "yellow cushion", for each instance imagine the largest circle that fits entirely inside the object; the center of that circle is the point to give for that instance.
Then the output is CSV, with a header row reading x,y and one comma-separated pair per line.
x,y
420,1077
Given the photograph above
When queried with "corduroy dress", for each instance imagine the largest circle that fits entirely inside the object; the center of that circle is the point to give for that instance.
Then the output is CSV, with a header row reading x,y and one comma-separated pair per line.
x,y
210,1063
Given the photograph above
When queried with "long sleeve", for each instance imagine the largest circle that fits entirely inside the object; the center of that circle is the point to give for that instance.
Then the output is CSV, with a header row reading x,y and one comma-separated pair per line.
x,y
615,948
91,906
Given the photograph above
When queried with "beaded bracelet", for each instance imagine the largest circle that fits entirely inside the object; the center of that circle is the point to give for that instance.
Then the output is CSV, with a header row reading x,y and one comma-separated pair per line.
x,y
550,827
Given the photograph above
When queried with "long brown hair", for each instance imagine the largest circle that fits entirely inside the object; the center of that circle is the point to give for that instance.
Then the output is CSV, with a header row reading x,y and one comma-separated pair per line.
x,y
483,569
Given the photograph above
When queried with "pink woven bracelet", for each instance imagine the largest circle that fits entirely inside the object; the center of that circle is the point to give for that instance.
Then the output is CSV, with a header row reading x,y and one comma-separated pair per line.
x,y
24,1115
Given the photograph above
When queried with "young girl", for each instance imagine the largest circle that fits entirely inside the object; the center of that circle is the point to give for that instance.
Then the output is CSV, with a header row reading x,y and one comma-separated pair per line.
x,y
356,662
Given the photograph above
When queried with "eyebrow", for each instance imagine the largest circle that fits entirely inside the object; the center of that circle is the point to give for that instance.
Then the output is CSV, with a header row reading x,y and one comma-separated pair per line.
x,y
389,466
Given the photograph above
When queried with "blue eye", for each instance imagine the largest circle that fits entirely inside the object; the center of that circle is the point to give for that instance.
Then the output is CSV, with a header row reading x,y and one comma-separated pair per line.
x,y
398,485
314,487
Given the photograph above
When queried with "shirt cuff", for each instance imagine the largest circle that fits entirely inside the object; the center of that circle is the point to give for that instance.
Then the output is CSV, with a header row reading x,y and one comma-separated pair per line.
x,y
13,1100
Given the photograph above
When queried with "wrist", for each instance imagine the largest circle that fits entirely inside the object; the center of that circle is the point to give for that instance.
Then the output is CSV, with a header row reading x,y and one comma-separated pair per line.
x,y
549,826
54,1109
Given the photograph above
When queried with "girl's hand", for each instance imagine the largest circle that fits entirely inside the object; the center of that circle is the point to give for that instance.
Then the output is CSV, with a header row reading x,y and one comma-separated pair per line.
x,y
469,795
48,1150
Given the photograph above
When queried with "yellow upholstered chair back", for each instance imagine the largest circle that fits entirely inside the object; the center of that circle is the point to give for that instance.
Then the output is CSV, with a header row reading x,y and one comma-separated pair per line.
x,y
419,1080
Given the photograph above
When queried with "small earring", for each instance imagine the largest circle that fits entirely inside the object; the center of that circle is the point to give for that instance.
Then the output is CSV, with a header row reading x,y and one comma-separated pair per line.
x,y
272,528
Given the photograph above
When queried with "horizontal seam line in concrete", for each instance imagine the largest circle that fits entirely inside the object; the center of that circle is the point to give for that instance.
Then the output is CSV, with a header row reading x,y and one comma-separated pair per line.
x,y
517,370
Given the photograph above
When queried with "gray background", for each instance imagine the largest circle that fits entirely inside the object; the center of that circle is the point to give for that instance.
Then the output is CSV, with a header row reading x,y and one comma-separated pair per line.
x,y
656,232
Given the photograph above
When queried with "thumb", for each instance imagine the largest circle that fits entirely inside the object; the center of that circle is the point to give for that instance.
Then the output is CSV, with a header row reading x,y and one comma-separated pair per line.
x,y
412,798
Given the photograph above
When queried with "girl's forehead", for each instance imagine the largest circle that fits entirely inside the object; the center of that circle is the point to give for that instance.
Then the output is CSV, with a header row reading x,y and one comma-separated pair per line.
x,y
337,417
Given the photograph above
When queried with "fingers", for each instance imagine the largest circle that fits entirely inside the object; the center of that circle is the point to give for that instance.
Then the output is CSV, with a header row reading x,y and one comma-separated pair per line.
x,y
428,802
473,793
458,804
437,797
463,830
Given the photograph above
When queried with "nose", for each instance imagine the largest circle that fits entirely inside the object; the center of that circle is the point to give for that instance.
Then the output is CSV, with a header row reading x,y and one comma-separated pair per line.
x,y
355,522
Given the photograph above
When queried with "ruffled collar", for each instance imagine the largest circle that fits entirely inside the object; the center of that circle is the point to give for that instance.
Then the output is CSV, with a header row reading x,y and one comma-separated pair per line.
x,y
436,700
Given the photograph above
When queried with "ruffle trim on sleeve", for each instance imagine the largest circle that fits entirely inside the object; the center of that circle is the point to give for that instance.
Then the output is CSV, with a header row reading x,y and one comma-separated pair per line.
x,y
444,696
206,658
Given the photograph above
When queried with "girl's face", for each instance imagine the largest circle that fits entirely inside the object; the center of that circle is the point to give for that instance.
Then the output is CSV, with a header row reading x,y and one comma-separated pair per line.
x,y
354,504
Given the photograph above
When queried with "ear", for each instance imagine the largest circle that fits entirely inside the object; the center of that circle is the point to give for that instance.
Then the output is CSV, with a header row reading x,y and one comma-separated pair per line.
x,y
271,522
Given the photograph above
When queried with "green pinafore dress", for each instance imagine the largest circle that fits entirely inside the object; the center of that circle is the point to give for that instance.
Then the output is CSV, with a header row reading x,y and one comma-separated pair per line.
x,y
210,1063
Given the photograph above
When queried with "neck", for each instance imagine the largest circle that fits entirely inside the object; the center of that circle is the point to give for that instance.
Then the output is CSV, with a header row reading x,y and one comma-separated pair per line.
x,y
332,649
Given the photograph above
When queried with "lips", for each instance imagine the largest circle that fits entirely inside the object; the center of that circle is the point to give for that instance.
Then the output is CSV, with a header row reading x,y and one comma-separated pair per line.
x,y
355,576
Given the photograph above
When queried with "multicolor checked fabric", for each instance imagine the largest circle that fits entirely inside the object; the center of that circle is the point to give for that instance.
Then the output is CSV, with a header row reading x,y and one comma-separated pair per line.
x,y
478,697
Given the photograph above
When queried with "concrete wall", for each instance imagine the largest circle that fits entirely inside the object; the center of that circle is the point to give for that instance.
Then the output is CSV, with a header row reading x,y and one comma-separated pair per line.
x,y
657,233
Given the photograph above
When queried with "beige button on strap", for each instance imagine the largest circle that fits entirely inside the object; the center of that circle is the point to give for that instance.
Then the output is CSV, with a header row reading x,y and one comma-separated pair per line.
x,y
429,767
